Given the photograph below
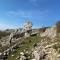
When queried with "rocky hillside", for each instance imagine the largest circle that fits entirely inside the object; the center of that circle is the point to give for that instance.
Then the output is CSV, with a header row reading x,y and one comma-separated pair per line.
x,y
44,45
38,47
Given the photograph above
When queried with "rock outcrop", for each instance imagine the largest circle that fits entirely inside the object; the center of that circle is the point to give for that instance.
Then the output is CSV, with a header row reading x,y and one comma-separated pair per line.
x,y
42,53
39,53
49,32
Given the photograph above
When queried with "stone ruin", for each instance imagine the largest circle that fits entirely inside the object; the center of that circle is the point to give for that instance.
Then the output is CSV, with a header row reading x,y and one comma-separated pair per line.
x,y
27,28
26,32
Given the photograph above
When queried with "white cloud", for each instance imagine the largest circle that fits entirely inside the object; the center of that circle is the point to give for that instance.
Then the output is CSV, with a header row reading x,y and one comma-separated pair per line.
x,y
6,26
26,14
33,14
19,13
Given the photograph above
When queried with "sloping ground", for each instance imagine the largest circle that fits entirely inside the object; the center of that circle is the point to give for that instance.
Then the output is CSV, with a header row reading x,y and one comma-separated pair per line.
x,y
4,35
28,44
3,43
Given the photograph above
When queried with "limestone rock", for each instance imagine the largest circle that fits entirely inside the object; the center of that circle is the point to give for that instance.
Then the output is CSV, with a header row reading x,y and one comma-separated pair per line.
x,y
23,58
27,28
50,32
39,53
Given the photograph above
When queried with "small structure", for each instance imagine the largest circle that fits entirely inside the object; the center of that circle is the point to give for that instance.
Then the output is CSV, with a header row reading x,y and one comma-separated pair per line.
x,y
26,31
27,28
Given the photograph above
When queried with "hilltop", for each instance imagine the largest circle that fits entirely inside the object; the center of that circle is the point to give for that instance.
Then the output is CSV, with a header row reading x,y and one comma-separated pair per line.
x,y
41,44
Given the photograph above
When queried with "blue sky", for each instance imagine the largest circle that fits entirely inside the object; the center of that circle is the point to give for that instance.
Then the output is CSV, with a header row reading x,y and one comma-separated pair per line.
x,y
13,13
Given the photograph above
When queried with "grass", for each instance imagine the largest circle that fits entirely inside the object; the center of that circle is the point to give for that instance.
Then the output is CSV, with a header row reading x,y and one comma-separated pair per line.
x,y
27,45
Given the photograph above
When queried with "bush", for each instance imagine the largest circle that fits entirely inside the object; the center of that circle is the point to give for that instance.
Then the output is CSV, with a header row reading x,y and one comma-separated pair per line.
x,y
58,26
3,34
43,29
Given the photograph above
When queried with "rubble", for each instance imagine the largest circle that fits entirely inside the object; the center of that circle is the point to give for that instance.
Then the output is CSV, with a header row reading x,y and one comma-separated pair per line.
x,y
49,32
44,51
39,53
27,28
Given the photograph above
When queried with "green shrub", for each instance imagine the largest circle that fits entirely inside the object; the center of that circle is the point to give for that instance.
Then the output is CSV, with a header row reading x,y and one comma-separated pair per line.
x,y
58,26
3,34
